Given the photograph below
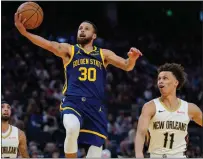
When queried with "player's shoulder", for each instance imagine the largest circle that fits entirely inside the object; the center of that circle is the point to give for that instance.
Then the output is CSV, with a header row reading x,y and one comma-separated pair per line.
x,y
14,128
183,101
150,103
66,45
192,107
21,133
149,108
18,131
107,51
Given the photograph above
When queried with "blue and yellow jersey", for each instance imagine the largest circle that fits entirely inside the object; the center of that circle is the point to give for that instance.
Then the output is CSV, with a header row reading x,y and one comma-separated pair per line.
x,y
85,73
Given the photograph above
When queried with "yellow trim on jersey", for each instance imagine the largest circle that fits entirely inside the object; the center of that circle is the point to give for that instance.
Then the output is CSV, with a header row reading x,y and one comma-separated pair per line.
x,y
66,82
62,109
102,56
93,132
168,109
71,57
8,133
87,52
65,65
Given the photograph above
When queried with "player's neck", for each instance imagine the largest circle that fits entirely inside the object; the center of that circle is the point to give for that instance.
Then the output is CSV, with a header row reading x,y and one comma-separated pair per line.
x,y
171,101
4,126
88,47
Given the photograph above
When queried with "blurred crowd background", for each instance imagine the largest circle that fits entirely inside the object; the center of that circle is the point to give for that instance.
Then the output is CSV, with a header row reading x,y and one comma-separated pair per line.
x,y
32,78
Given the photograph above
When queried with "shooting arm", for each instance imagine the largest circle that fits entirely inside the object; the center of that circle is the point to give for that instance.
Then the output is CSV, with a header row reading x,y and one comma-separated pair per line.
x,y
117,61
148,112
59,49
195,113
23,145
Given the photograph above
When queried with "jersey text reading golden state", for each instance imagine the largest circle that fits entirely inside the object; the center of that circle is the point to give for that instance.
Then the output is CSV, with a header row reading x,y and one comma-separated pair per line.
x,y
85,61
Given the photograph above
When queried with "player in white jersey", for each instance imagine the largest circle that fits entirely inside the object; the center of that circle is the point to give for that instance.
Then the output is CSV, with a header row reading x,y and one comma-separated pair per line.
x,y
166,118
13,140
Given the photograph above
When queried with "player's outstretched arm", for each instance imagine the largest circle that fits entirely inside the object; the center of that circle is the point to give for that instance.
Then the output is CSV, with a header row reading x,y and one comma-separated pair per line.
x,y
23,145
59,49
195,114
117,61
148,111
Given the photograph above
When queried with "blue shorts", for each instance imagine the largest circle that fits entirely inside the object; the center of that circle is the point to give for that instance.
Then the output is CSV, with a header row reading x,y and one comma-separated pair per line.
x,y
92,116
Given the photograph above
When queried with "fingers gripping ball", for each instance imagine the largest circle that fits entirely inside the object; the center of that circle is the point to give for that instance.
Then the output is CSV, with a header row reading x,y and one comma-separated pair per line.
x,y
33,14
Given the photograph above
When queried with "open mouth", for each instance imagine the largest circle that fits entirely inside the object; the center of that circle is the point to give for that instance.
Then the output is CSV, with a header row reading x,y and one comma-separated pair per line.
x,y
82,36
161,86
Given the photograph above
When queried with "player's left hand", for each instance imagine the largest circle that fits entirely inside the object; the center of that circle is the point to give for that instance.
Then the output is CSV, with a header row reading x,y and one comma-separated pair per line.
x,y
134,53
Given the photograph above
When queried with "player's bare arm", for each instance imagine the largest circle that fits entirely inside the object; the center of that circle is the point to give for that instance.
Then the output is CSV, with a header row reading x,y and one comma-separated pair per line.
x,y
23,145
117,61
59,49
195,114
148,111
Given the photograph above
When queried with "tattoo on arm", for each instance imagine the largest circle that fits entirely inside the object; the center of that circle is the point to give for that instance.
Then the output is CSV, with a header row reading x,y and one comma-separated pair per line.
x,y
23,145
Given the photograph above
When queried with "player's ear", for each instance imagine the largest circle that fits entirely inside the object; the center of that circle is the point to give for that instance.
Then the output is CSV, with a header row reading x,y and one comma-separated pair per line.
x,y
176,83
94,36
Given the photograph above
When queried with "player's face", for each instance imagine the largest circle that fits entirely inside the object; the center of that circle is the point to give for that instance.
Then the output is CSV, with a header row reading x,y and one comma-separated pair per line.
x,y
167,82
5,112
85,33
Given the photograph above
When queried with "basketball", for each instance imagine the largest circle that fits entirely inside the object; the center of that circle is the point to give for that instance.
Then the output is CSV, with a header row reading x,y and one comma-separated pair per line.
x,y
33,13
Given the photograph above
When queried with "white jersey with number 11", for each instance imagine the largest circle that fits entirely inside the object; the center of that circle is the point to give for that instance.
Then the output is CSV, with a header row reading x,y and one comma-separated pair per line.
x,y
168,130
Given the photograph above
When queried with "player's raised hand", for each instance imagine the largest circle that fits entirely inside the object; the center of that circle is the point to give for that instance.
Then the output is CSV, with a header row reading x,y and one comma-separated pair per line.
x,y
134,53
19,23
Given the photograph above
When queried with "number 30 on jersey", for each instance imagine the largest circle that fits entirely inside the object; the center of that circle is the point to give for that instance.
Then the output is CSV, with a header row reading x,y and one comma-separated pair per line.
x,y
87,74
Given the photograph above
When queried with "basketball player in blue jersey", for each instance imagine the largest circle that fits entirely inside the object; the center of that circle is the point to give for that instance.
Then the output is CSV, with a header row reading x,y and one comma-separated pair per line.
x,y
83,109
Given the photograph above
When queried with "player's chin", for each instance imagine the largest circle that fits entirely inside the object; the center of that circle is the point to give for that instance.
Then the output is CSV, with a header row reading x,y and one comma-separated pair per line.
x,y
5,118
162,90
83,41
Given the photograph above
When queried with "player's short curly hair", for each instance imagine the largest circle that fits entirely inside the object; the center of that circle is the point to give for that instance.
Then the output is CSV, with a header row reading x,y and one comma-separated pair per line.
x,y
93,25
177,70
